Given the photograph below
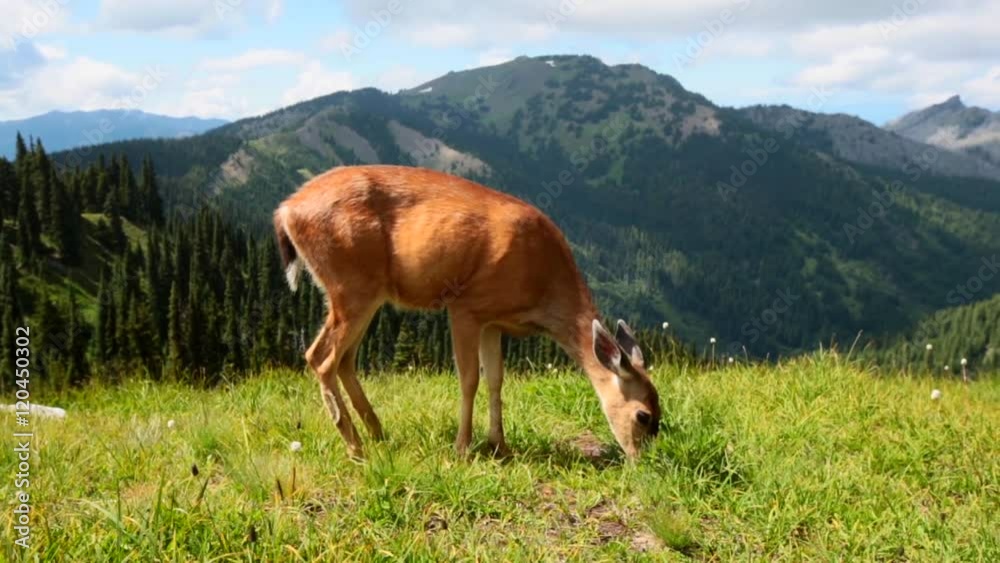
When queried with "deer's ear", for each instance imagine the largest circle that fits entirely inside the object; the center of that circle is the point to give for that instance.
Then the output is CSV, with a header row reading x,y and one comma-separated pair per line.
x,y
626,339
609,353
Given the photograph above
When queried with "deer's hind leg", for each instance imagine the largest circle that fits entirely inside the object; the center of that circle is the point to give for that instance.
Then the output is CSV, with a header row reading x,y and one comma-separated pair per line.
x,y
349,378
329,391
344,324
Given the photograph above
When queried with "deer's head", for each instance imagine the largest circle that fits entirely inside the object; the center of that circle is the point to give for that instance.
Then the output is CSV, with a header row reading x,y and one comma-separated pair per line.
x,y
628,398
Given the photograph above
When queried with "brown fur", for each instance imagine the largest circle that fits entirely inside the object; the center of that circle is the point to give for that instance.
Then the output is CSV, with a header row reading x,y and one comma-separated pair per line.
x,y
427,240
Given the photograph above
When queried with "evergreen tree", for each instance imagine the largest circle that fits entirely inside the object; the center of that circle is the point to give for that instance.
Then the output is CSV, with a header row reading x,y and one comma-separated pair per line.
x,y
29,235
20,154
175,339
150,193
76,344
405,348
8,190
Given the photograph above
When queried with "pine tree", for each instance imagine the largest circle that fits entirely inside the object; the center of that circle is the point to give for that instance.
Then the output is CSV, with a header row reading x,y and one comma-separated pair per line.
x,y
29,230
116,238
128,199
150,194
51,326
175,339
405,348
76,345
8,191
106,320
20,154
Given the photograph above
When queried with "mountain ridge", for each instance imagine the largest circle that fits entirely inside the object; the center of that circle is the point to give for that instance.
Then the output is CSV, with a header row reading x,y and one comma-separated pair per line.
x,y
64,130
952,125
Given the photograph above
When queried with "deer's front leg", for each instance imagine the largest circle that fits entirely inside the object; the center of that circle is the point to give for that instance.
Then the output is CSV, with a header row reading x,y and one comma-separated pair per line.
x,y
465,342
491,358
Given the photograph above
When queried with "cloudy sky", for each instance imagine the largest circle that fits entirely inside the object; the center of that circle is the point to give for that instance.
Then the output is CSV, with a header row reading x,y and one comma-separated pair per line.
x,y
235,58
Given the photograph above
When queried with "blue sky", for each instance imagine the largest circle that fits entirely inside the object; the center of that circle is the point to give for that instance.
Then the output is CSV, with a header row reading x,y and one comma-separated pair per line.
x,y
235,58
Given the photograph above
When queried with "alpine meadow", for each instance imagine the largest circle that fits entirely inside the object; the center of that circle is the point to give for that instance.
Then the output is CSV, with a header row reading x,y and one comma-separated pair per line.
x,y
600,316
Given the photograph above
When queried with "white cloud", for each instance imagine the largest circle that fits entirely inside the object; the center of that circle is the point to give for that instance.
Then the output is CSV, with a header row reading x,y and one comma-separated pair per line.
x,y
51,52
25,20
846,68
315,80
79,83
494,57
254,58
399,77
275,10
336,41
985,89
186,18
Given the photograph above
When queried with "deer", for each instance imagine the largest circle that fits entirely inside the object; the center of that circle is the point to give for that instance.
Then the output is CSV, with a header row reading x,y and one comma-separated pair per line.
x,y
425,240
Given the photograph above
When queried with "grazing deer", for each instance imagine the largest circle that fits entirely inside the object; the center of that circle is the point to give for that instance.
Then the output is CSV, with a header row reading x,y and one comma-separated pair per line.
x,y
427,240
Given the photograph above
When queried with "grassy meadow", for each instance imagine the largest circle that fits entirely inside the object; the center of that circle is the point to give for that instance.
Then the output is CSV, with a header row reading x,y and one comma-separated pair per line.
x,y
813,459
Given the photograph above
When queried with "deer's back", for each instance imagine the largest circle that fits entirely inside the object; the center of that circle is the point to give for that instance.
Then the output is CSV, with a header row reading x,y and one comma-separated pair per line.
x,y
431,240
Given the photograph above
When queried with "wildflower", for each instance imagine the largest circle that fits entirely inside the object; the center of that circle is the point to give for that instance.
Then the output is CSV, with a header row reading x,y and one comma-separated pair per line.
x,y
731,360
548,366
711,340
935,394
930,346
171,423
295,446
666,325
964,361
947,368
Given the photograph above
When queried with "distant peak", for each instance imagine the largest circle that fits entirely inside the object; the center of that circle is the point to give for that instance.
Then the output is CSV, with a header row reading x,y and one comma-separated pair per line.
x,y
952,102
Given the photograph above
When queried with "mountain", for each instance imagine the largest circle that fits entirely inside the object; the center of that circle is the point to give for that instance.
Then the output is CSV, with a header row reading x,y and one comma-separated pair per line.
x,y
953,125
66,130
855,140
722,221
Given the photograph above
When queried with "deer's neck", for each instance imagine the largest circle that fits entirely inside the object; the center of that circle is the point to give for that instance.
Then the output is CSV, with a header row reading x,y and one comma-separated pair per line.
x,y
576,335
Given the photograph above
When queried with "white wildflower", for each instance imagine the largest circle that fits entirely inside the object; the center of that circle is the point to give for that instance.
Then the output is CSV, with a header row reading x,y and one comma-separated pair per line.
x,y
295,446
930,346
731,360
666,325
711,340
171,423
964,361
935,394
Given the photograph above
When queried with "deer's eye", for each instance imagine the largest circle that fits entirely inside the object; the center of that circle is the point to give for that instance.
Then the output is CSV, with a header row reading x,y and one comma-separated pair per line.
x,y
643,417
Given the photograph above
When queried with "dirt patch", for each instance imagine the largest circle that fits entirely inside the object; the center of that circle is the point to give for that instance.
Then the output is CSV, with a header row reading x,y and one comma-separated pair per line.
x,y
608,521
435,523
433,153
589,446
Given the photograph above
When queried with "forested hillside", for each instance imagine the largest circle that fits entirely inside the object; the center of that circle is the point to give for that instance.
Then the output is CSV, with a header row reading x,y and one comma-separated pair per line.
x,y
678,210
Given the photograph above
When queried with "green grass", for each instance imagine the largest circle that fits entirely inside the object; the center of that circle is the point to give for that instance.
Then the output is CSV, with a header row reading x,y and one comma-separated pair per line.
x,y
809,460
